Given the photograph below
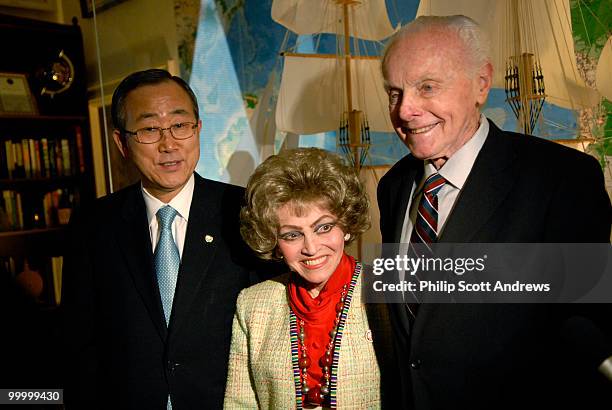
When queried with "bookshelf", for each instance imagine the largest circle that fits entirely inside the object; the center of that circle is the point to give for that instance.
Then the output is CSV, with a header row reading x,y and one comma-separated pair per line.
x,y
45,147
45,171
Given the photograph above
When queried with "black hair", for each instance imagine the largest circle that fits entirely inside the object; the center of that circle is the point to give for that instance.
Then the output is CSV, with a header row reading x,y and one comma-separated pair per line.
x,y
141,78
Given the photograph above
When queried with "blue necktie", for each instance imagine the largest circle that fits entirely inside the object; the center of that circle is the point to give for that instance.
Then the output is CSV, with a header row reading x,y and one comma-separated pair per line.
x,y
166,259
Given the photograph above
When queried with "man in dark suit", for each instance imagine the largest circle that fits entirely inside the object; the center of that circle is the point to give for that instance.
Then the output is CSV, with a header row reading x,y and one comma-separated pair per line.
x,y
498,187
149,304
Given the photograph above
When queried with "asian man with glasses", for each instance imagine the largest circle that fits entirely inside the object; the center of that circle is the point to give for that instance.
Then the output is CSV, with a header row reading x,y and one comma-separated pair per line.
x,y
154,269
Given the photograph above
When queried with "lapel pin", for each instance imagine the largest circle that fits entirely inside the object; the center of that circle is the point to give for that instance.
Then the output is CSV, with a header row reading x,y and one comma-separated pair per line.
x,y
208,238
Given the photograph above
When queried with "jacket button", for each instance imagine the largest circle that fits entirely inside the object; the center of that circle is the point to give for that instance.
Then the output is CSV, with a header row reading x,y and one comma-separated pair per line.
x,y
415,364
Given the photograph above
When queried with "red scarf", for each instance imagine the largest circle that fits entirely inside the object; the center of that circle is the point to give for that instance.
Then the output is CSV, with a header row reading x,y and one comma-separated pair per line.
x,y
319,313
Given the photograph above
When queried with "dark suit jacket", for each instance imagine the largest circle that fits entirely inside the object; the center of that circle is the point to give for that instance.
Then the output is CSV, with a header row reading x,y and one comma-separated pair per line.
x,y
122,354
521,189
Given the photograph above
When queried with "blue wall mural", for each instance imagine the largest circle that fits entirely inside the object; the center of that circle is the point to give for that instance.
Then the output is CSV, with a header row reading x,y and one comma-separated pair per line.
x,y
237,59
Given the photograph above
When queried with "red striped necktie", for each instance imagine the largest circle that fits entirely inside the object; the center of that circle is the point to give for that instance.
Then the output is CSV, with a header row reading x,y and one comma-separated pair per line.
x,y
425,228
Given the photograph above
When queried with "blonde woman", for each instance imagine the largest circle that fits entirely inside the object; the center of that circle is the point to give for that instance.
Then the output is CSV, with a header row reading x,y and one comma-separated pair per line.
x,y
305,339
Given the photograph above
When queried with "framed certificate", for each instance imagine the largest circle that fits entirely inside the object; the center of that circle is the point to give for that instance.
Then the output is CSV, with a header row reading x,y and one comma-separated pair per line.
x,y
15,95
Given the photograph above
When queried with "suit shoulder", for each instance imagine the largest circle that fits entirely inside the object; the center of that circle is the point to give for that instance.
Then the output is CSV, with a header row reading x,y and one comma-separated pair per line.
x,y
220,186
113,197
109,205
218,199
268,292
397,171
550,154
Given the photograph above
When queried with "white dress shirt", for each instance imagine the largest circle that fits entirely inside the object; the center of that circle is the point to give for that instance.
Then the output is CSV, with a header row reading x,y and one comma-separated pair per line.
x,y
456,171
182,204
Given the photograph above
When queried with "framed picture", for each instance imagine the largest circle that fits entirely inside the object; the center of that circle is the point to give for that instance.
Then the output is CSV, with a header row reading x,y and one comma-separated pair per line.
x,y
87,6
15,95
111,171
47,5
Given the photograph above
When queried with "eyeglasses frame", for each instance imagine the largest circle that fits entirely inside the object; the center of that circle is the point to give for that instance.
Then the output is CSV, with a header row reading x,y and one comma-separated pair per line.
x,y
161,132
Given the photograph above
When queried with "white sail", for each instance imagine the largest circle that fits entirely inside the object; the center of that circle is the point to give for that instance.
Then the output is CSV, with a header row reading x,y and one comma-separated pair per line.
x,y
603,78
369,19
551,21
262,121
312,97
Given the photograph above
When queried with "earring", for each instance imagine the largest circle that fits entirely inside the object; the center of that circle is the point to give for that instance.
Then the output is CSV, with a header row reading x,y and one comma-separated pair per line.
x,y
347,237
278,254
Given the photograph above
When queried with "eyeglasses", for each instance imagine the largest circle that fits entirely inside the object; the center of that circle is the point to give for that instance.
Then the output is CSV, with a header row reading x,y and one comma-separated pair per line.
x,y
151,135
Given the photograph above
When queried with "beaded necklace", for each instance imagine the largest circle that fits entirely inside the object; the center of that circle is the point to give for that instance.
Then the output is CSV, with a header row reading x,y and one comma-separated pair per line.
x,y
300,360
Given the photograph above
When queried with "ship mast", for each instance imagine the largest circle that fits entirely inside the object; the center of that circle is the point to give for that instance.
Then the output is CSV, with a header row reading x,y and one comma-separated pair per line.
x,y
340,92
524,84
358,143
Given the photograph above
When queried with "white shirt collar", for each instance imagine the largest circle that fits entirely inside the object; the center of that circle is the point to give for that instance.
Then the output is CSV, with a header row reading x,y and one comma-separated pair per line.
x,y
181,202
457,168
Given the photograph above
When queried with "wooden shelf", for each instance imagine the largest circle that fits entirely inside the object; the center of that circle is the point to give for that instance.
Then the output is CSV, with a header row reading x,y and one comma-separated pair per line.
x,y
44,241
38,126
43,118
32,231
50,182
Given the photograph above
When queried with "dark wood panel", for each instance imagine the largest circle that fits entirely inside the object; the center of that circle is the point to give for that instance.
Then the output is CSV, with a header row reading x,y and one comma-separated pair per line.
x,y
42,242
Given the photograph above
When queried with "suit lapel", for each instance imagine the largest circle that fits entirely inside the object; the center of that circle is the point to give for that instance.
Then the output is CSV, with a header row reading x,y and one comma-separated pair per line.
x,y
198,251
402,191
135,243
398,198
488,184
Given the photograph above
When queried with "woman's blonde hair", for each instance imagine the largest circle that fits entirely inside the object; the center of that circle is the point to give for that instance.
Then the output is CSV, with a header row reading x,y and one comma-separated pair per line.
x,y
302,177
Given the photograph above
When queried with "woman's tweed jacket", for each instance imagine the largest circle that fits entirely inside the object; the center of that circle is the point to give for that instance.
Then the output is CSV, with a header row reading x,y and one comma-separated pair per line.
x,y
260,369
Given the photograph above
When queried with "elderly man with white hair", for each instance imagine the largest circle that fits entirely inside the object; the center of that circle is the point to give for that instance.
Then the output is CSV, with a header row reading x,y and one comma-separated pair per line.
x,y
474,183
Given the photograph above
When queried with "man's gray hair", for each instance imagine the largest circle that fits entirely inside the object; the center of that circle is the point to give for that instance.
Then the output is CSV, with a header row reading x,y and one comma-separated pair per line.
x,y
476,42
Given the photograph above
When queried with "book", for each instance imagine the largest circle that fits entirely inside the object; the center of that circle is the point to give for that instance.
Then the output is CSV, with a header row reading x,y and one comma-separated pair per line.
x,y
79,144
19,209
53,172
5,224
19,171
11,212
59,165
39,160
10,157
45,171
27,165
66,157
4,169
56,270
8,206
18,152
34,168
